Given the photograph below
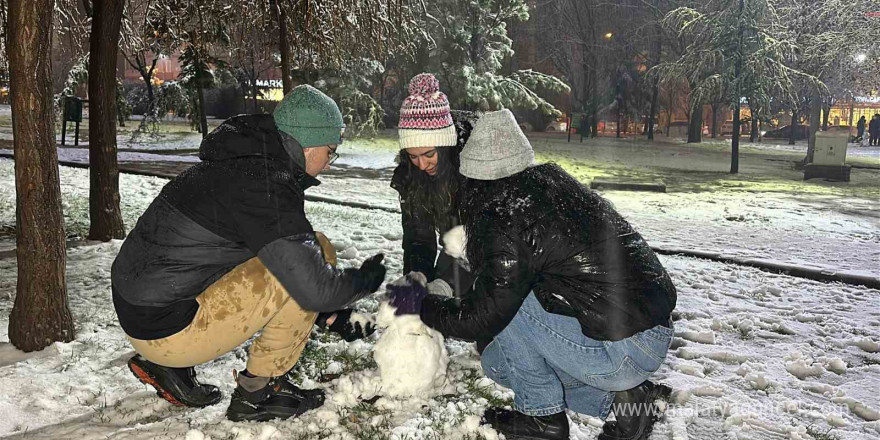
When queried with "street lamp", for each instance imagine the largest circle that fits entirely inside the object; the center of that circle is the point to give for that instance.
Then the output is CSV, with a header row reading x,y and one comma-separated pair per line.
x,y
608,36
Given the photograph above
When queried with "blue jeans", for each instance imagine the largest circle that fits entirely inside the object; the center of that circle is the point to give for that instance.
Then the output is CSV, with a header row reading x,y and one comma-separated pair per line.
x,y
550,365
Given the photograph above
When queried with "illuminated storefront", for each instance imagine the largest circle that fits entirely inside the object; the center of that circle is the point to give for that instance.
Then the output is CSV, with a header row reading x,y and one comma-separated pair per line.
x,y
272,89
849,111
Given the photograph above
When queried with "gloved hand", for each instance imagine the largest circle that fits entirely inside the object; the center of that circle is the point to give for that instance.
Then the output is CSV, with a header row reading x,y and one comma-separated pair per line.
x,y
407,293
373,272
440,287
455,243
348,324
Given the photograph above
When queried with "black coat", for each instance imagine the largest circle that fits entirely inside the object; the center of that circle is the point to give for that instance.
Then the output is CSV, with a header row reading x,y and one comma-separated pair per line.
x,y
420,236
874,126
421,231
244,200
542,231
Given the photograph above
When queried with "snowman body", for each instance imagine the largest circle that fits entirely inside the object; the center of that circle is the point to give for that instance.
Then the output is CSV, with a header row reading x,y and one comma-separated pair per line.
x,y
411,357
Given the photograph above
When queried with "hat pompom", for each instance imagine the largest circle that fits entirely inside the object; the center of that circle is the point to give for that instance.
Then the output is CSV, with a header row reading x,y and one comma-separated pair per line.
x,y
424,84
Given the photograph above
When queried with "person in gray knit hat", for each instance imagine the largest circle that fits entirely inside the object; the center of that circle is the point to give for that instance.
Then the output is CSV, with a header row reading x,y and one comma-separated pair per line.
x,y
570,307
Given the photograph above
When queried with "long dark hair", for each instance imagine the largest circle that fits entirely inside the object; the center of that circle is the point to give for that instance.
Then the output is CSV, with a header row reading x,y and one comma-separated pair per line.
x,y
437,196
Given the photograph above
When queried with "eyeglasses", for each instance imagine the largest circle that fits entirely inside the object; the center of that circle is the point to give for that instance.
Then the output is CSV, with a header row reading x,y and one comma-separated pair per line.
x,y
333,156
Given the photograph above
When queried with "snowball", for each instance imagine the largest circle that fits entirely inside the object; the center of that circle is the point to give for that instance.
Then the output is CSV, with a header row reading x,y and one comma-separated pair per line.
x,y
757,381
868,345
195,434
706,337
836,421
836,365
349,253
411,357
454,242
801,369
858,408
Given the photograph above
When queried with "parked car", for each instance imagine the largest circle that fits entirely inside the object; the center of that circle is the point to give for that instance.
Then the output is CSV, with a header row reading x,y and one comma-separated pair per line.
x,y
557,125
680,129
744,128
784,132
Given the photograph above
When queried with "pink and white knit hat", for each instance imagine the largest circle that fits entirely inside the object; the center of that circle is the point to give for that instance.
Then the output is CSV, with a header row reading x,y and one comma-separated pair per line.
x,y
424,116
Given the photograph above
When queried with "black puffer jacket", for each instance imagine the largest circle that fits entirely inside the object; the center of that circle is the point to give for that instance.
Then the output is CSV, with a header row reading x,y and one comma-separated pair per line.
x,y
421,230
244,200
540,230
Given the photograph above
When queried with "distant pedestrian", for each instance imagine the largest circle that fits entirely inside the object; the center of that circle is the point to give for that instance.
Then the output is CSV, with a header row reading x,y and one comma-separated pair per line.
x,y
860,128
874,129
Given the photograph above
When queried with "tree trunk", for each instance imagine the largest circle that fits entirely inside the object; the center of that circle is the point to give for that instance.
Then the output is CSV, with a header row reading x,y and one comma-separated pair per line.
x,y
200,96
256,93
40,314
695,125
792,137
618,123
283,48
815,115
734,143
826,109
714,121
104,214
253,78
147,76
852,103
753,132
668,120
655,93
203,118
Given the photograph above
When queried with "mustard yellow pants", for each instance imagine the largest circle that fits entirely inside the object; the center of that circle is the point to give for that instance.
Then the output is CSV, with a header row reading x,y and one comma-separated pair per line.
x,y
243,302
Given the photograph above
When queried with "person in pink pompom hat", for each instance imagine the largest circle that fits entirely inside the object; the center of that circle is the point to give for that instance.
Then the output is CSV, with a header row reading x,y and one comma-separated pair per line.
x,y
427,178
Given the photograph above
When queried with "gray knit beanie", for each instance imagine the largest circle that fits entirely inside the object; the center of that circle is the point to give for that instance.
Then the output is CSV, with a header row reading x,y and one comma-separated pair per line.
x,y
496,149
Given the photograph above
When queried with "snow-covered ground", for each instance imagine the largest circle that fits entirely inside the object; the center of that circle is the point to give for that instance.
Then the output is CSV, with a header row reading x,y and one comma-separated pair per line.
x,y
756,355
806,229
852,149
81,155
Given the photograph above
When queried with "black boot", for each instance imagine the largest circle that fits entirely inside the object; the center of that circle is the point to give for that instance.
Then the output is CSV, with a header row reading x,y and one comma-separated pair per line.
x,y
176,385
279,399
518,426
635,412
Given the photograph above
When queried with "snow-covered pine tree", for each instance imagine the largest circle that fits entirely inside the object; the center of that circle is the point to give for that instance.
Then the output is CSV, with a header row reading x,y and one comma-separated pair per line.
x,y
469,57
830,36
738,49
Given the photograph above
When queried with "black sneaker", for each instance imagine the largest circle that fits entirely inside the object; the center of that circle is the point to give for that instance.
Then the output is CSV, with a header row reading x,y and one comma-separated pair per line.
x,y
176,385
280,399
635,412
518,426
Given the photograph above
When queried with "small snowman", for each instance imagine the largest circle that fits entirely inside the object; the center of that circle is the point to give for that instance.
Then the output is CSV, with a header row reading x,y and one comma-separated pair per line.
x,y
411,357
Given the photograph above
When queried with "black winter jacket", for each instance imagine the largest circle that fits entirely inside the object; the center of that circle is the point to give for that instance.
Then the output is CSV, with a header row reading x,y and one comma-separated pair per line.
x,y
244,200
420,236
420,230
542,231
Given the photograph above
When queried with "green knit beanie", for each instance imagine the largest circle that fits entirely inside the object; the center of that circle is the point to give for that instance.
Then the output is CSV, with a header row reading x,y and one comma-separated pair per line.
x,y
310,116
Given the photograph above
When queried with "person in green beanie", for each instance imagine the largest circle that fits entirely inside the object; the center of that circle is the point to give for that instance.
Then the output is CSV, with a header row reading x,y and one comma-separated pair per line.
x,y
225,252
